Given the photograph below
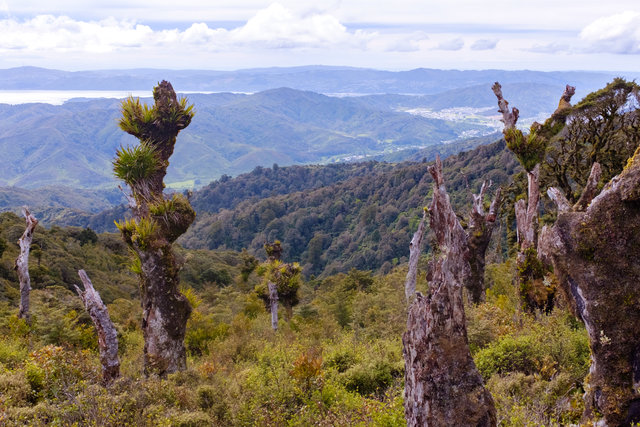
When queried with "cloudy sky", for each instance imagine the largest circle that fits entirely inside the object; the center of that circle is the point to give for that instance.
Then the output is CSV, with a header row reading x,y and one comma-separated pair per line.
x,y
383,34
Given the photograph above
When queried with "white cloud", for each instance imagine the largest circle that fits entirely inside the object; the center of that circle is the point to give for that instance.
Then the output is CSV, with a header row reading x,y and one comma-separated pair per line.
x,y
619,33
455,44
61,33
273,27
484,44
277,26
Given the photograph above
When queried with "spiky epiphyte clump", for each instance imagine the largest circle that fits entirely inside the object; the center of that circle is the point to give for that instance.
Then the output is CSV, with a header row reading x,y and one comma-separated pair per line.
x,y
285,276
157,222
157,126
529,150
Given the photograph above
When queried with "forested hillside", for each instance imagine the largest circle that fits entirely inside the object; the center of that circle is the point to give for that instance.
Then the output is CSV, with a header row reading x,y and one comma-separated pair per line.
x,y
361,222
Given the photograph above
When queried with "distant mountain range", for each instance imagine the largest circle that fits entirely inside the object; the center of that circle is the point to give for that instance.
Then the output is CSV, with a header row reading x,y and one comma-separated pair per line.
x,y
74,144
319,79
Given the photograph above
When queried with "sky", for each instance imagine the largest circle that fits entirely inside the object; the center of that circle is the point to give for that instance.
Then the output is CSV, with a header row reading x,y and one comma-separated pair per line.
x,y
391,35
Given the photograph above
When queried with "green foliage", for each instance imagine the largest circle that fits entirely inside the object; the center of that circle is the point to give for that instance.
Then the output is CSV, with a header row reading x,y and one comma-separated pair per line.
x,y
134,114
12,352
140,233
529,151
136,164
509,354
602,127
174,215
3,246
370,379
87,235
285,276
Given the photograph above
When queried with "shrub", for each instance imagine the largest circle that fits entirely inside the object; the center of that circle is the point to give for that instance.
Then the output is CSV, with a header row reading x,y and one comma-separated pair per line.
x,y
191,419
509,354
12,352
369,379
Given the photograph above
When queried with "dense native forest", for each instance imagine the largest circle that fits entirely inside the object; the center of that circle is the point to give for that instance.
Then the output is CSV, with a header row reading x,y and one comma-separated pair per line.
x,y
549,342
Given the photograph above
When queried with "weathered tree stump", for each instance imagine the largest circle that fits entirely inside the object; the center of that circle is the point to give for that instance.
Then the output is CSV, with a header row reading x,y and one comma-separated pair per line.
x,y
107,334
442,384
22,264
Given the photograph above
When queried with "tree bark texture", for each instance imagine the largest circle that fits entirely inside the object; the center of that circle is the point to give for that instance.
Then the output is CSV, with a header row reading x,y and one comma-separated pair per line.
x,y
273,304
478,237
165,312
442,384
107,335
22,264
594,247
479,233
414,256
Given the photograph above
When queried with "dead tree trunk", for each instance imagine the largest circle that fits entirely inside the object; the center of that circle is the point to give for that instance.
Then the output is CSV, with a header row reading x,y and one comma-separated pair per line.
x,y
107,335
478,238
594,247
414,256
479,235
442,384
273,304
22,264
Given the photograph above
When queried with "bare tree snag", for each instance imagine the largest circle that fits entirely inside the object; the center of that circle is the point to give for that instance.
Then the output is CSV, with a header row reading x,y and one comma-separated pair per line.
x,y
273,304
22,264
509,118
157,222
442,384
107,335
530,151
594,248
479,235
414,256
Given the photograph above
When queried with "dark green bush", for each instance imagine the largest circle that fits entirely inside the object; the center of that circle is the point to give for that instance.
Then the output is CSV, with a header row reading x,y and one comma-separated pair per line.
x,y
369,379
509,354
